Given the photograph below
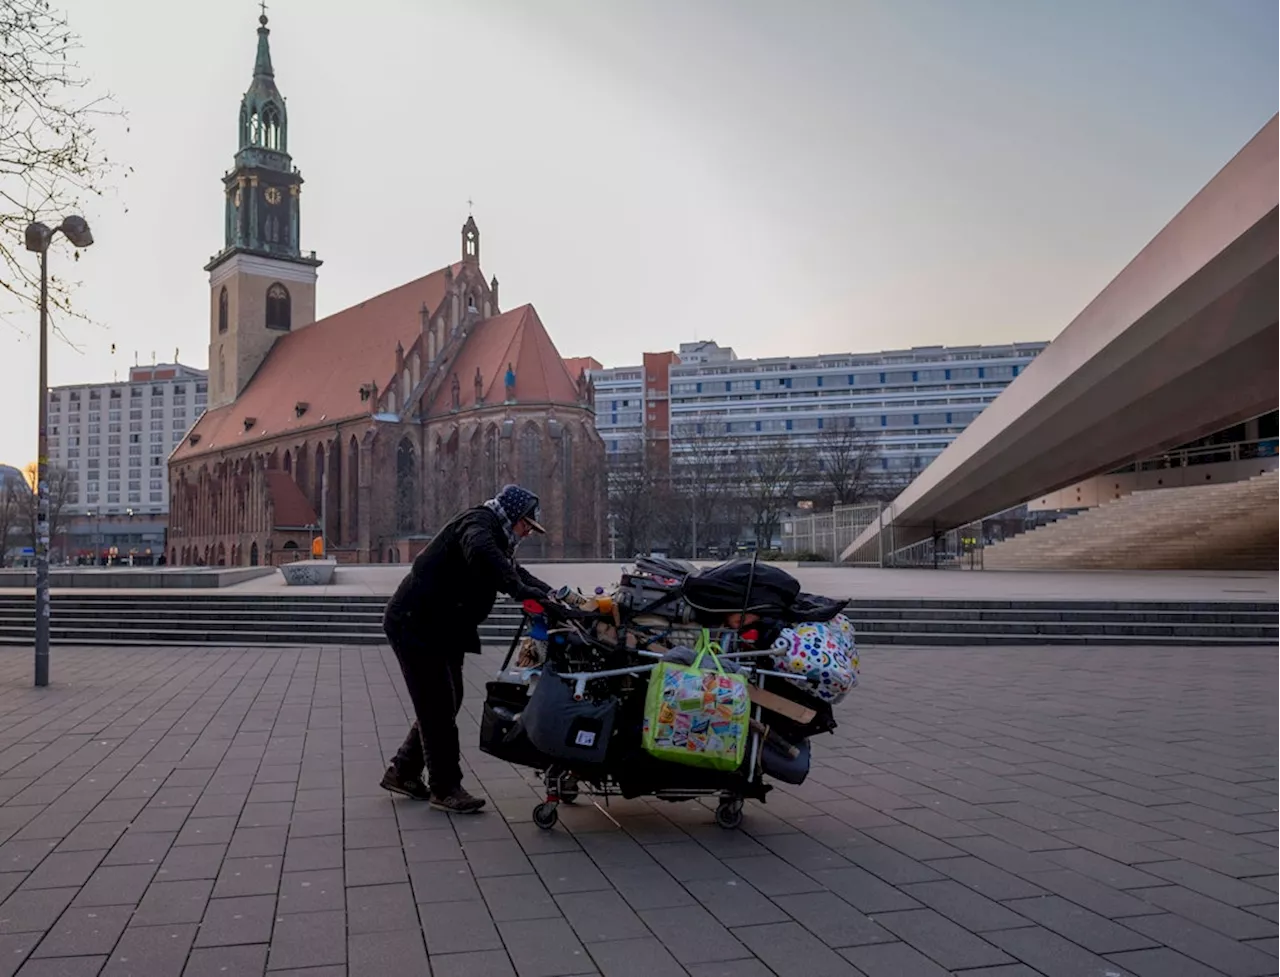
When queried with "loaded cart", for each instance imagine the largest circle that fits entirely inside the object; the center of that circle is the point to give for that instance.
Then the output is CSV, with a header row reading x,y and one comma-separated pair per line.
x,y
658,690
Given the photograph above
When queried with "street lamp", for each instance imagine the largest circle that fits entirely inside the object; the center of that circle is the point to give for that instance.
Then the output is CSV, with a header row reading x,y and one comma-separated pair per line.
x,y
129,535
37,238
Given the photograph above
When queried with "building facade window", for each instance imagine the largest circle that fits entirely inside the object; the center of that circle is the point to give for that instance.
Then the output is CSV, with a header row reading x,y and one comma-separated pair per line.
x,y
278,307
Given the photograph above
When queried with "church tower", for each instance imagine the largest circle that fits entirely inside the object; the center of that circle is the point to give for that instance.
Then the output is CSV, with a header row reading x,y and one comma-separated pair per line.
x,y
261,284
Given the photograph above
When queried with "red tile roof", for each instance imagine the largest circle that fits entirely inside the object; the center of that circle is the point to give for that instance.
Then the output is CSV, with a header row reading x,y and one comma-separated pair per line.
x,y
292,509
322,364
517,338
576,364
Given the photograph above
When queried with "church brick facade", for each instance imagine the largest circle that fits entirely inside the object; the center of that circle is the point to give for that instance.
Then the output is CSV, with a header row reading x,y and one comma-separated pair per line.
x,y
374,425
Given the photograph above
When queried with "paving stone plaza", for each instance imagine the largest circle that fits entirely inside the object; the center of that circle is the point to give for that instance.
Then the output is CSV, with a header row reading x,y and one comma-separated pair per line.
x,y
979,812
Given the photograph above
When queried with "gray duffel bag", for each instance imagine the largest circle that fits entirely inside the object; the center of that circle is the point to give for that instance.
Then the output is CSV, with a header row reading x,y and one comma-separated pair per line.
x,y
564,728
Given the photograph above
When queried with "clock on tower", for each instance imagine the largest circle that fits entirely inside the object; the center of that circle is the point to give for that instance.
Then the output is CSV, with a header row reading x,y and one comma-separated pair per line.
x,y
262,285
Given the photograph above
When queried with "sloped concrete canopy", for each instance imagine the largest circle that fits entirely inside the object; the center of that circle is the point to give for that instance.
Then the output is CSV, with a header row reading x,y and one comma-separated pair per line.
x,y
1181,343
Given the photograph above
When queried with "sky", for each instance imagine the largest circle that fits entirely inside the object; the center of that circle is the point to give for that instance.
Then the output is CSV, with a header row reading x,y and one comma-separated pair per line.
x,y
784,178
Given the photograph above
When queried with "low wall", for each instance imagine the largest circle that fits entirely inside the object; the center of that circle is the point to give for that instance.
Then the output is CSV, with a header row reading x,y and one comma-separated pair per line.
x,y
135,578
1108,488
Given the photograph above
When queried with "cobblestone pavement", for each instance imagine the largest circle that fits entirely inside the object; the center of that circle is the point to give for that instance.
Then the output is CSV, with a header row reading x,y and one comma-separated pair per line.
x,y
979,812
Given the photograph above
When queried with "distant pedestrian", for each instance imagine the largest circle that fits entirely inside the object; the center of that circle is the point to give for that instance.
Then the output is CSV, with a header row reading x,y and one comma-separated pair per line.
x,y
433,621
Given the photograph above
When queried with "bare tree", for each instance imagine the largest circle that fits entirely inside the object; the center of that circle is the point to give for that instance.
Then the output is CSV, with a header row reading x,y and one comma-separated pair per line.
x,y
632,485
12,514
62,487
49,157
703,476
771,473
845,457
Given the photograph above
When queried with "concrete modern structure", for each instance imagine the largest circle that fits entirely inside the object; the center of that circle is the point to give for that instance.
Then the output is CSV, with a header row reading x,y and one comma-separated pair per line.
x,y
1183,342
109,445
913,402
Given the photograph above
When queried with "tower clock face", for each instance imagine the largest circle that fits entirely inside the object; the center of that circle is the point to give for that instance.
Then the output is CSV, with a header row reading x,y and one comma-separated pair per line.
x,y
272,195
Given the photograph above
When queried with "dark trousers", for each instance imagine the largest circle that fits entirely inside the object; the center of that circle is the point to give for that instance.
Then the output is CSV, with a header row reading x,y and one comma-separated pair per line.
x,y
433,676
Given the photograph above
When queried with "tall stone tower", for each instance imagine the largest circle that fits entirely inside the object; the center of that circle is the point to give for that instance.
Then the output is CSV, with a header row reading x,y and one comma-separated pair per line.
x,y
261,285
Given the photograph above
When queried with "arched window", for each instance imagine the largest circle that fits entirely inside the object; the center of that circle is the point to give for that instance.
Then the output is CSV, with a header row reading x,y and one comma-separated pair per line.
x,y
222,310
406,487
278,312
317,487
567,476
490,486
271,129
531,459
273,230
353,498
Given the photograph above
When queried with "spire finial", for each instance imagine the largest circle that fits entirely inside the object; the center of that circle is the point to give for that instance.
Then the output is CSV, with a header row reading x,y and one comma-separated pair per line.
x,y
469,206
262,64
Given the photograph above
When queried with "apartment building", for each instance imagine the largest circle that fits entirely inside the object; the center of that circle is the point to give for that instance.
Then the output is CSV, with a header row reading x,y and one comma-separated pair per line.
x,y
913,402
112,441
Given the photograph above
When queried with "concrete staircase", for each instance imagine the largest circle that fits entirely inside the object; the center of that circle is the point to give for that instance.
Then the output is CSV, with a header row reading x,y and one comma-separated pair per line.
x,y
1223,526
224,620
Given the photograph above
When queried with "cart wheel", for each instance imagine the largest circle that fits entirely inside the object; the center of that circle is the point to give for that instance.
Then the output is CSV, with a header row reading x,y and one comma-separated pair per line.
x,y
564,783
729,813
545,816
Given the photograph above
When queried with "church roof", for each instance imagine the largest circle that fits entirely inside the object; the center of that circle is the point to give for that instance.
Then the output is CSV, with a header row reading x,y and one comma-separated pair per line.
x,y
292,509
516,338
322,365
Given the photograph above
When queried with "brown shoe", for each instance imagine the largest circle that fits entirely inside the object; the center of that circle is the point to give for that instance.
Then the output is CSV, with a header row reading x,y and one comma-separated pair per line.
x,y
457,801
398,783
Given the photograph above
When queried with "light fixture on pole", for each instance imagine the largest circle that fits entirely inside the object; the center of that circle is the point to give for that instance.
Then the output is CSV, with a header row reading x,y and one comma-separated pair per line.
x,y
37,238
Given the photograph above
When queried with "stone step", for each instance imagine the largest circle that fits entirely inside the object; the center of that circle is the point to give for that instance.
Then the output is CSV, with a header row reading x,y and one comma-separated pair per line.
x,y
226,638
251,620
199,618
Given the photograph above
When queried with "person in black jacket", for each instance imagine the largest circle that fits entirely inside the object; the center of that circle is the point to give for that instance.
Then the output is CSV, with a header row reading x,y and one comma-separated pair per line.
x,y
433,620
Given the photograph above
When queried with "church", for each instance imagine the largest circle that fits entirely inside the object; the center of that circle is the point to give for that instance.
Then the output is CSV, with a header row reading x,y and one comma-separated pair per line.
x,y
374,425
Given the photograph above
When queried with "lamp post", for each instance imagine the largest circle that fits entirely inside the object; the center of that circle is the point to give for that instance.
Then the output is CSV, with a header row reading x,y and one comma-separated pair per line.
x,y
37,238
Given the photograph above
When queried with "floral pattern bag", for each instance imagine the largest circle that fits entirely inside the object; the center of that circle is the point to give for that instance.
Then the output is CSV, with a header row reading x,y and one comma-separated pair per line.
x,y
824,651
695,715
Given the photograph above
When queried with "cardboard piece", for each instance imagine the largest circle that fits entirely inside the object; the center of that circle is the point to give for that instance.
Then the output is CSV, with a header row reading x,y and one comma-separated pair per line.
x,y
781,705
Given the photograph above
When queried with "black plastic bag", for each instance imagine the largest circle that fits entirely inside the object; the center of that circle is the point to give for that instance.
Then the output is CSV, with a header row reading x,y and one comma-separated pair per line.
x,y
741,586
502,733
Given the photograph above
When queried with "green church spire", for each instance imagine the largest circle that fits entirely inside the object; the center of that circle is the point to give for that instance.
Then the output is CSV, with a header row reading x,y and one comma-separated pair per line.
x,y
264,123
262,64
263,191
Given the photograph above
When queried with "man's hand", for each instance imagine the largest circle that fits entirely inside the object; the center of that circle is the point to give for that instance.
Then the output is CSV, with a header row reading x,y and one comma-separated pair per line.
x,y
531,593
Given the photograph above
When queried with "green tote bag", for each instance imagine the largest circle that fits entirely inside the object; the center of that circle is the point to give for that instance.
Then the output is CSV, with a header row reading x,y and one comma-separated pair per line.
x,y
697,716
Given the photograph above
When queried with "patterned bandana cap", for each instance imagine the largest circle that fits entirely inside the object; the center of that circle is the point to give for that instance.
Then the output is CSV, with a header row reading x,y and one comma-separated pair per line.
x,y
519,503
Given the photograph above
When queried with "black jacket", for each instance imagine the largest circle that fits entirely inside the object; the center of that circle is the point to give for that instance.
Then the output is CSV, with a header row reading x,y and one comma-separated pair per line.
x,y
454,582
